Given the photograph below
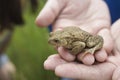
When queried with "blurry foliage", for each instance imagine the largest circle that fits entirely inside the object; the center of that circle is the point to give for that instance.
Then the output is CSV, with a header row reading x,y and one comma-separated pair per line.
x,y
29,49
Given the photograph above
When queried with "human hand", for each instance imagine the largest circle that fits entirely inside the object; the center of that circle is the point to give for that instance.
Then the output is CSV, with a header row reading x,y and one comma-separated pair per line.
x,y
90,15
109,70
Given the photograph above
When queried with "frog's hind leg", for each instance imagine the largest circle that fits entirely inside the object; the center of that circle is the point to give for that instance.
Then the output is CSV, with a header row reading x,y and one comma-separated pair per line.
x,y
91,50
94,43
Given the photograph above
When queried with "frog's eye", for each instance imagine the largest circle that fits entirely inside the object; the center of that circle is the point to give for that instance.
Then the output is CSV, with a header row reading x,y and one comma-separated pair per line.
x,y
56,41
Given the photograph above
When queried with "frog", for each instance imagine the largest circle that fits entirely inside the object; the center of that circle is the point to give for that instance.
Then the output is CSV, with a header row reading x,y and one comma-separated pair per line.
x,y
76,40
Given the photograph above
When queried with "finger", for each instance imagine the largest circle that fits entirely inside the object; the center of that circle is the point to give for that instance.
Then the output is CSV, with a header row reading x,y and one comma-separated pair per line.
x,y
53,61
116,74
65,54
108,41
79,71
49,12
88,59
101,55
115,30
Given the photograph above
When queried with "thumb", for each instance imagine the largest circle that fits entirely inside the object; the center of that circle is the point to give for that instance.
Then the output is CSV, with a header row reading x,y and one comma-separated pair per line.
x,y
49,12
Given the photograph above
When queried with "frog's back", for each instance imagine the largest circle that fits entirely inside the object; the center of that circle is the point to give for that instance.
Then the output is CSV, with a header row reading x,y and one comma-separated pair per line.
x,y
77,33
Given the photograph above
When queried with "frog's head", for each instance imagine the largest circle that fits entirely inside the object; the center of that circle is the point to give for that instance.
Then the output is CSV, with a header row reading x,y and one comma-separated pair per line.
x,y
56,39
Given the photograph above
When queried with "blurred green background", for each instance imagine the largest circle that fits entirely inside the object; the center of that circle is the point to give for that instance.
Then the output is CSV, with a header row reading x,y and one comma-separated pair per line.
x,y
29,48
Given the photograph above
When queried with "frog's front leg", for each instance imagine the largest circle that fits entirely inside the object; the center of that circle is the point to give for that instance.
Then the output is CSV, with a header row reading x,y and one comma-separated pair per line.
x,y
77,47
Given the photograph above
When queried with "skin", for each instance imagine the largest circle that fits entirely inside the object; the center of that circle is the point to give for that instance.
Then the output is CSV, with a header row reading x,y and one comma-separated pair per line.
x,y
109,70
89,17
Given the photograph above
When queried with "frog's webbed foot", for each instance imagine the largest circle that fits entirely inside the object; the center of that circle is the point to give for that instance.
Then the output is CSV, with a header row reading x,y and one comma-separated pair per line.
x,y
77,47
88,51
91,51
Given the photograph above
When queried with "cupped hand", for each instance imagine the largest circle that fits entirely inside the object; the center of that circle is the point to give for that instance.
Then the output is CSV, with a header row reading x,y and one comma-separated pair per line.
x,y
108,70
90,15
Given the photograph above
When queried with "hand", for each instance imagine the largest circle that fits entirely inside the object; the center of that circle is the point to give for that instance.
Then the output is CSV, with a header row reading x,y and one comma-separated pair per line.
x,y
109,70
90,15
